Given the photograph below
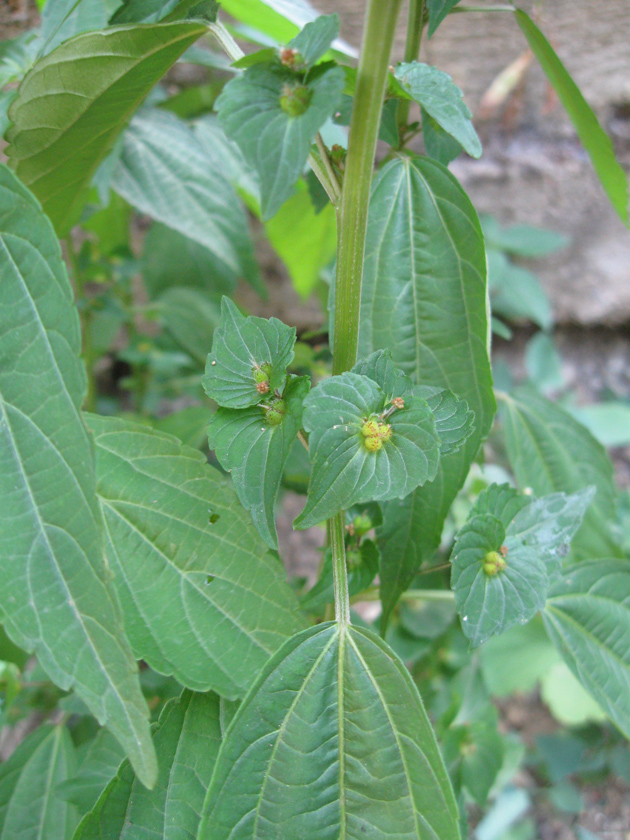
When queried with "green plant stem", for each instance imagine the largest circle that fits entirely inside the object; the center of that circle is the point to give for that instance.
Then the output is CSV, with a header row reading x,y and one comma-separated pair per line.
x,y
352,215
415,25
440,595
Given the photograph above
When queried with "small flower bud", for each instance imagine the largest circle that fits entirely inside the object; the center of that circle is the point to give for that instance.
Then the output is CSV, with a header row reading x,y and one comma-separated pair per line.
x,y
353,558
292,59
398,402
275,412
373,444
361,524
384,432
493,563
369,429
295,100
262,387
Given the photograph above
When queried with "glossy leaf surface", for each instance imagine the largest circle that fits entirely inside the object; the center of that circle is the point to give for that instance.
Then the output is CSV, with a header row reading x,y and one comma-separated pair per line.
x,y
74,102
442,100
187,739
331,741
588,618
424,296
164,171
29,806
344,471
594,139
550,451
202,598
275,143
255,453
240,348
57,602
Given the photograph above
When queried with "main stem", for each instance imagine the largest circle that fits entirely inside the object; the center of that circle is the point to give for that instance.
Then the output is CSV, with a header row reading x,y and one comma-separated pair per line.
x,y
352,215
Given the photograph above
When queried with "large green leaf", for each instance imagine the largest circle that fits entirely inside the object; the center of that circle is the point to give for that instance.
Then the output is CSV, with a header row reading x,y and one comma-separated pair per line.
x,y
187,739
332,741
56,600
344,415
29,806
255,452
98,762
273,140
440,97
75,101
202,599
550,451
63,19
163,171
594,139
249,358
424,296
588,618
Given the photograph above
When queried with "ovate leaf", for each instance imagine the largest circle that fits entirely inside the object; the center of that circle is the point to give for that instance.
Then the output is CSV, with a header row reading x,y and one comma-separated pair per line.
x,y
163,171
187,739
274,141
340,414
202,599
437,142
315,39
550,451
75,101
29,806
594,139
56,599
96,768
424,296
255,452
588,618
243,349
332,741
442,100
438,10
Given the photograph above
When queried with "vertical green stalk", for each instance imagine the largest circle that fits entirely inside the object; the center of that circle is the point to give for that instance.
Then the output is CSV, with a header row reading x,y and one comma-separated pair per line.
x,y
352,215
412,50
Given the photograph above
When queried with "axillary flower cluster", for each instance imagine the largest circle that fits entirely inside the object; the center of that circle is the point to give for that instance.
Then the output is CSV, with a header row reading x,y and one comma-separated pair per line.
x,y
375,430
276,408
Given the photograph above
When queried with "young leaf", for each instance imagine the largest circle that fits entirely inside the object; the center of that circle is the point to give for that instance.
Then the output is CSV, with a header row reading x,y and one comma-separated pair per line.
x,y
96,769
358,454
550,451
201,597
315,39
362,564
588,618
332,741
594,139
500,501
187,739
254,451
164,171
57,602
424,296
29,807
274,118
497,579
249,358
58,138
440,97
438,10
453,419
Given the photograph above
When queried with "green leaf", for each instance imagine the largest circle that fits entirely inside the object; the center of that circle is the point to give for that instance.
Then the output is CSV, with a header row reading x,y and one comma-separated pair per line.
x,y
424,296
500,501
29,808
243,349
588,618
517,293
74,102
437,142
189,425
163,171
345,471
152,11
594,139
306,241
190,317
332,741
550,451
315,39
523,240
543,364
362,565
609,422
57,602
454,421
272,141
440,97
474,756
438,10
187,739
255,452
63,19
490,602
96,769
202,599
